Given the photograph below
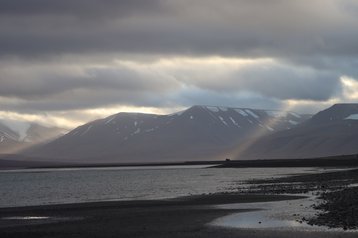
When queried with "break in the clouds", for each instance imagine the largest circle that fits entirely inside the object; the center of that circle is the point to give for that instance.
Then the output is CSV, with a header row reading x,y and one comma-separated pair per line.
x,y
69,57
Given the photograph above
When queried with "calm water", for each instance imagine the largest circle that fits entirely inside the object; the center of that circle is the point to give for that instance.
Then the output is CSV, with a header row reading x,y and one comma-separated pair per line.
x,y
58,186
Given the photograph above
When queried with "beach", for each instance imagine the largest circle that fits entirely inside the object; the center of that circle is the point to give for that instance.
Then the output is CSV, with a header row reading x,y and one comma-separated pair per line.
x,y
198,215
184,217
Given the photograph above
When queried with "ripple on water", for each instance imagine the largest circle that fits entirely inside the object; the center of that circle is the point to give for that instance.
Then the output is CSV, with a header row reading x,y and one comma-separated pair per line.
x,y
25,218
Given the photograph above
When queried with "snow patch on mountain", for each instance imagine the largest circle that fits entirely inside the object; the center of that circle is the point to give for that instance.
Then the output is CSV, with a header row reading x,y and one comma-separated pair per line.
x,y
295,115
281,114
352,117
110,119
242,112
223,121
75,132
19,127
293,122
252,113
269,128
234,122
136,131
276,114
213,109
173,114
87,130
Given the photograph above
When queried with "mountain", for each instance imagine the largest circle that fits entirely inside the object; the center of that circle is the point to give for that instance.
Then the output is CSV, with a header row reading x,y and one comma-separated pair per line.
x,y
333,131
16,135
198,133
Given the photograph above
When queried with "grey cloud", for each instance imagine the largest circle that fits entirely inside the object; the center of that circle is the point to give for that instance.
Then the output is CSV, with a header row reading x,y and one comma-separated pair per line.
x,y
288,83
34,85
50,88
274,80
314,42
78,8
201,96
129,80
86,99
47,88
232,28
336,65
83,99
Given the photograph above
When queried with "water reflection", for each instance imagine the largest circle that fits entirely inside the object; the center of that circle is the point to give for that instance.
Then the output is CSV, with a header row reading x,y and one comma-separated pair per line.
x,y
61,186
26,218
256,219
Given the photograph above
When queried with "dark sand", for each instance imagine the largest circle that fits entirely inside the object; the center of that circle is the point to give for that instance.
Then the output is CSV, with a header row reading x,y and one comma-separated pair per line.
x,y
184,217
339,200
188,216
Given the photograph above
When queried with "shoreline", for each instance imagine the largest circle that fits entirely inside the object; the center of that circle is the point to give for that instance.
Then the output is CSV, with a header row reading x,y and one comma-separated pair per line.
x,y
182,217
188,216
191,200
336,192
152,218
13,162
185,217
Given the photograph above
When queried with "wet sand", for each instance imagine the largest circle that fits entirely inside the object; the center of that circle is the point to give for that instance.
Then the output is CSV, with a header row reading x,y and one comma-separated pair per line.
x,y
337,191
186,216
183,217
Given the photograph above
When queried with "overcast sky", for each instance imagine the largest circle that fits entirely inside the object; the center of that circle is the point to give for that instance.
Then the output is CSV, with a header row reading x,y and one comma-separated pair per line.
x,y
71,61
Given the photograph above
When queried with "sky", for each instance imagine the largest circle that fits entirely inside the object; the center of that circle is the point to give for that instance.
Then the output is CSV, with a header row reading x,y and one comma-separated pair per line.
x,y
68,62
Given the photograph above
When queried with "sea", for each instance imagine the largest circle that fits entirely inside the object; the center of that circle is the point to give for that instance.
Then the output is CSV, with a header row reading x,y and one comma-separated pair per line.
x,y
32,187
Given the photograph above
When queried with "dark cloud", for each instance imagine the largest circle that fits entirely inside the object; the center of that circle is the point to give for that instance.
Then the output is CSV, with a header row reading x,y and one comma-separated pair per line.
x,y
64,87
86,99
312,44
33,84
229,28
78,8
336,65
177,82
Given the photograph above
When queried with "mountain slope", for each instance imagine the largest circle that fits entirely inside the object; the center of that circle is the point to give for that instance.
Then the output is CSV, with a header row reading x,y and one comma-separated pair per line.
x,y
198,133
17,135
333,131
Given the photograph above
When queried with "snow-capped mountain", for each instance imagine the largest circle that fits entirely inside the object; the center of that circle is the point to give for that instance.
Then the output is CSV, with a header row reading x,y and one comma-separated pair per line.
x,y
16,135
333,131
198,133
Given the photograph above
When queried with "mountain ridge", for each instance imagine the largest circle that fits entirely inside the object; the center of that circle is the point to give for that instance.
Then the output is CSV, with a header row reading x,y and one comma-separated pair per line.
x,y
16,135
330,132
197,133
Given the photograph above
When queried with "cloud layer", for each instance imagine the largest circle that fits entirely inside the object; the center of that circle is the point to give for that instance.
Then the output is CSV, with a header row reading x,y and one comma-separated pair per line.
x,y
61,56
